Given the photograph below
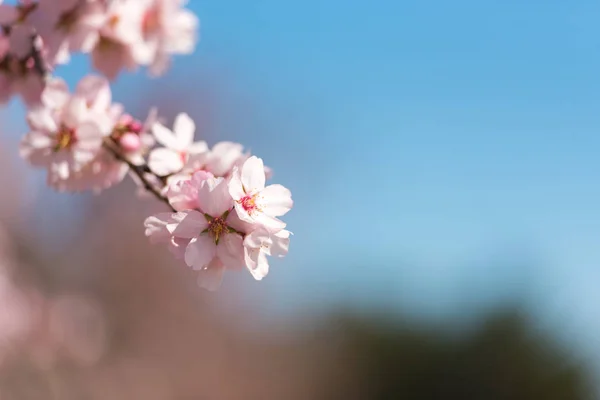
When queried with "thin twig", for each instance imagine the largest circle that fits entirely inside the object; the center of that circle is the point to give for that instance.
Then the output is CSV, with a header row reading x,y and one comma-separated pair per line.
x,y
139,170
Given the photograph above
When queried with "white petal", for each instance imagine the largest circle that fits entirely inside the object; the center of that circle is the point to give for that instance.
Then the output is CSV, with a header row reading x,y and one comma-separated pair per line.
x,y
41,119
262,267
56,94
200,252
275,200
89,136
280,243
273,224
253,175
197,148
184,129
37,140
164,161
165,137
236,189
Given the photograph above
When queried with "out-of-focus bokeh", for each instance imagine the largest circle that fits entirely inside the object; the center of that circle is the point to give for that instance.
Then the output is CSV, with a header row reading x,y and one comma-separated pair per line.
x,y
443,158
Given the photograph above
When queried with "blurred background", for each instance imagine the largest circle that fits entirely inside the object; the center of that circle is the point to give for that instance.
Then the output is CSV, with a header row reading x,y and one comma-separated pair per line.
x,y
443,161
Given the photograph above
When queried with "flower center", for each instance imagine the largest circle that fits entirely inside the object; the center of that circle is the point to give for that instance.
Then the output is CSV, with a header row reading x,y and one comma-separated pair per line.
x,y
217,228
249,203
65,138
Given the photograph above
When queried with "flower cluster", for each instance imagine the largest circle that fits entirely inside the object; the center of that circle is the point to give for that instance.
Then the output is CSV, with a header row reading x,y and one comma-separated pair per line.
x,y
222,214
225,222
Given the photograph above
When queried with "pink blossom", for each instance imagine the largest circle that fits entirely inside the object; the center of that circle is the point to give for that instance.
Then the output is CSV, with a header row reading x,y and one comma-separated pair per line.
x,y
159,230
261,243
213,233
68,26
119,34
180,148
63,140
67,133
255,203
166,29
183,195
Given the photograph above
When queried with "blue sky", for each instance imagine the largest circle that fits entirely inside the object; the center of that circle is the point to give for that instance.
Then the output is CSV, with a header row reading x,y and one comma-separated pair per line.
x,y
442,155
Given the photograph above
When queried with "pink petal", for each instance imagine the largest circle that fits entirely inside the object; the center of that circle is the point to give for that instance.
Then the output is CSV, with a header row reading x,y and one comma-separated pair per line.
x,y
200,252
75,112
214,198
230,251
96,90
191,225
211,277
156,228
178,246
253,175
56,94
184,129
276,200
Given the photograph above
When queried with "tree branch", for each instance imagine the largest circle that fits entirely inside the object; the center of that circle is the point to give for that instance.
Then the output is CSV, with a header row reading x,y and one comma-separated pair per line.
x,y
139,170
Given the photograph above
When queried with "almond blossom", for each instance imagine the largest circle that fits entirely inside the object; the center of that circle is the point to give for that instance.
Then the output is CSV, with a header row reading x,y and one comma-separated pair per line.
x,y
224,217
255,203
166,29
62,139
68,26
119,34
208,234
210,230
261,243
179,149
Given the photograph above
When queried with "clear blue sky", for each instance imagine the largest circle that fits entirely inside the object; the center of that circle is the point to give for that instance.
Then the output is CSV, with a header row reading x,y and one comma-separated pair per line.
x,y
443,155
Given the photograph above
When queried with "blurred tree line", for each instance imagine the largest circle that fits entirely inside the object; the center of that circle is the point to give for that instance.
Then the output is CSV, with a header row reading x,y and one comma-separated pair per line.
x,y
504,358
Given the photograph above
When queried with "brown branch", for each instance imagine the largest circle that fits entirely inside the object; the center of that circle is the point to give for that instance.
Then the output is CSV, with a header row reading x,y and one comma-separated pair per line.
x,y
139,170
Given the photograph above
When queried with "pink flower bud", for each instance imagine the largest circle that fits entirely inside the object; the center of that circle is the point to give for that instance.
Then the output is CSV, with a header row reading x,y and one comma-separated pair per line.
x,y
130,142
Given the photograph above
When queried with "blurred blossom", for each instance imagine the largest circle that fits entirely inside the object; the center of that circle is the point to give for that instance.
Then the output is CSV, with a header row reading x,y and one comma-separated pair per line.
x,y
71,328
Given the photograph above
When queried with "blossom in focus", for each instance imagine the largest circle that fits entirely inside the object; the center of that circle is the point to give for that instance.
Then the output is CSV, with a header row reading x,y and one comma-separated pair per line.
x,y
261,243
255,203
179,149
208,233
166,29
